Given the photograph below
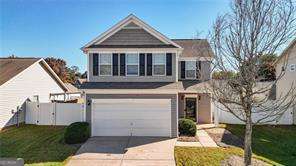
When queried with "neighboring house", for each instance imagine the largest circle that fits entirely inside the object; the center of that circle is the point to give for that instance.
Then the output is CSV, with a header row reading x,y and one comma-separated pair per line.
x,y
286,63
73,95
140,82
23,79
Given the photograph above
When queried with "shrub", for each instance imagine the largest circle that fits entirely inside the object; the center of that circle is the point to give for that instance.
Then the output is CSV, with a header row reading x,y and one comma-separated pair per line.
x,y
187,127
77,132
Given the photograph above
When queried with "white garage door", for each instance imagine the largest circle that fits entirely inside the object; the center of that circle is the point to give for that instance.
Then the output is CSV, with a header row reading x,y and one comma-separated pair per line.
x,y
136,117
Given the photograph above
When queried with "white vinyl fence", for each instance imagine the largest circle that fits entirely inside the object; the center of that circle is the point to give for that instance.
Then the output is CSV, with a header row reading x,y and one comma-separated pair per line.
x,y
226,117
54,113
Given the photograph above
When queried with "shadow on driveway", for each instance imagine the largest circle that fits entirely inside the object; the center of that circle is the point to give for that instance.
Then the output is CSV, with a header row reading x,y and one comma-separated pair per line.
x,y
125,151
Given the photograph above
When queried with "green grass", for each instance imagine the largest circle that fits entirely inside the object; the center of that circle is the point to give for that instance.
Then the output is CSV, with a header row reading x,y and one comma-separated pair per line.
x,y
37,145
203,156
276,143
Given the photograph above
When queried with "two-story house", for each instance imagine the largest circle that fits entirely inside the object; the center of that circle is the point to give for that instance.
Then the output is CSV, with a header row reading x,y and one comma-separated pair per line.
x,y
140,82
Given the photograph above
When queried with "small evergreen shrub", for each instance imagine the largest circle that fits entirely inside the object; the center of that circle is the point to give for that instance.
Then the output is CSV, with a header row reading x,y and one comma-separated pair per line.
x,y
187,127
77,132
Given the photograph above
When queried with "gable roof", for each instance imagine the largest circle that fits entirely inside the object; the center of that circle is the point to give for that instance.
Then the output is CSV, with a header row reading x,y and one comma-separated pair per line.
x,y
286,50
71,88
11,67
194,47
131,22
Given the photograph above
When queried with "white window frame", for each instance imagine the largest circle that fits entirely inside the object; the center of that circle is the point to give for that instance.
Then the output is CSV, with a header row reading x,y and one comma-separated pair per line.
x,y
191,78
110,54
159,64
292,67
126,55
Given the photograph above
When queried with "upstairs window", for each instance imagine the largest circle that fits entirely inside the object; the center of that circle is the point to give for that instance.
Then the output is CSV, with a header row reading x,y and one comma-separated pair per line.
x,y
190,69
105,64
132,64
159,62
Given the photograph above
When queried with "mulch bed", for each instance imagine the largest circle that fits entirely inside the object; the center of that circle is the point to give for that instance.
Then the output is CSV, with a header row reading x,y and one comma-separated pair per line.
x,y
235,160
224,138
187,139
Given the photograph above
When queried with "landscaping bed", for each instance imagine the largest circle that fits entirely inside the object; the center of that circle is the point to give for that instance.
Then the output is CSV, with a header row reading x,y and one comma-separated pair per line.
x,y
40,145
187,139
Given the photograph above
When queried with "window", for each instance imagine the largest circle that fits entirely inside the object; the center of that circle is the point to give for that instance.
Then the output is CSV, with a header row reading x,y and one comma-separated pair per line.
x,y
132,64
105,64
293,67
190,69
159,62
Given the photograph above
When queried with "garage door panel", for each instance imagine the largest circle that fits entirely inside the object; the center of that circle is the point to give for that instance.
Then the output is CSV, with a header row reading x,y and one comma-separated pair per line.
x,y
133,123
114,132
128,114
139,117
151,132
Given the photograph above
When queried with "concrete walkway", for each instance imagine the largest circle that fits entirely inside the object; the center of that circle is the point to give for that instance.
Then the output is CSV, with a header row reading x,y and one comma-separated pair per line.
x,y
204,140
125,151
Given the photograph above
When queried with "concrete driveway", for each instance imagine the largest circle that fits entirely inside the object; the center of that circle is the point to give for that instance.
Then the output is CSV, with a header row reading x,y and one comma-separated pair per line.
x,y
125,151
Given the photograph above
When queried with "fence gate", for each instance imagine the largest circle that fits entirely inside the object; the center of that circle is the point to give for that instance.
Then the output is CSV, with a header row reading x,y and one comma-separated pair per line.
x,y
54,113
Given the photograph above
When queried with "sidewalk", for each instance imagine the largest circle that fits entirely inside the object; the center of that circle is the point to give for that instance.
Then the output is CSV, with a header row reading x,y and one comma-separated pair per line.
x,y
204,140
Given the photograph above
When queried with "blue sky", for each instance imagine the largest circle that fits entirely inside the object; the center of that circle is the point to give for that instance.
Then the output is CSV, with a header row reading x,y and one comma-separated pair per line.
x,y
59,28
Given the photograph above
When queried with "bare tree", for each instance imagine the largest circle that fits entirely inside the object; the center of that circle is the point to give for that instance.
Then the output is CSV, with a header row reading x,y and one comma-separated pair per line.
x,y
252,29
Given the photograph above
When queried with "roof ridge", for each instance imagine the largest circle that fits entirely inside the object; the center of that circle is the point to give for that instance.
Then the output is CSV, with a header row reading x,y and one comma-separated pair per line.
x,y
20,58
188,39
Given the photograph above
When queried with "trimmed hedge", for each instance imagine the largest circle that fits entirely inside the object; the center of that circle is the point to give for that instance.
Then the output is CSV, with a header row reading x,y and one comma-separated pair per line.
x,y
187,127
77,132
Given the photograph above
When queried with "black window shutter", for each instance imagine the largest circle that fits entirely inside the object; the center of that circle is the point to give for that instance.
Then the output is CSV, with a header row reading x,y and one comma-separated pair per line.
x,y
95,64
115,64
169,64
149,64
183,69
142,64
198,68
122,64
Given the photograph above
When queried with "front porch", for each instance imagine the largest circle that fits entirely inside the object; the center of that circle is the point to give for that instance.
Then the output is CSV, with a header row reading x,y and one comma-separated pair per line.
x,y
195,106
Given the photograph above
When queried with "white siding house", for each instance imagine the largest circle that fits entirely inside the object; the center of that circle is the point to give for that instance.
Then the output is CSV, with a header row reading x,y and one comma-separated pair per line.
x,y
287,64
23,83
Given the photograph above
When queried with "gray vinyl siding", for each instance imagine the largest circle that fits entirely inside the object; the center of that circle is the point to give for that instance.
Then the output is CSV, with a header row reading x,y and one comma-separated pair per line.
x,y
205,70
171,78
174,127
132,37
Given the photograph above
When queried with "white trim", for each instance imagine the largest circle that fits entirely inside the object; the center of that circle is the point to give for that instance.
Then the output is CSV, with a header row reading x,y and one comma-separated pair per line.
x,y
125,21
158,64
130,91
99,65
195,58
126,74
191,78
53,73
120,50
87,67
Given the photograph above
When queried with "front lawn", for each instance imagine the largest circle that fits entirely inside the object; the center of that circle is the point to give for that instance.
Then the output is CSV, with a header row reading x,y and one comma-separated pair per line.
x,y
203,156
42,145
276,143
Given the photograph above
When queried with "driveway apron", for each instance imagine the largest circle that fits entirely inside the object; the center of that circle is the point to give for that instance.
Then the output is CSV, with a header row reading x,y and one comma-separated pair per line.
x,y
125,151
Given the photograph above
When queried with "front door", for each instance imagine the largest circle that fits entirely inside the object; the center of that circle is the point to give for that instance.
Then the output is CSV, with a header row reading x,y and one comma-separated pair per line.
x,y
190,108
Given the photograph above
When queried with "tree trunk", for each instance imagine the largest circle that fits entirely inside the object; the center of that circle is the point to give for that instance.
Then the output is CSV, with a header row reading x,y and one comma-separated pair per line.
x,y
248,141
